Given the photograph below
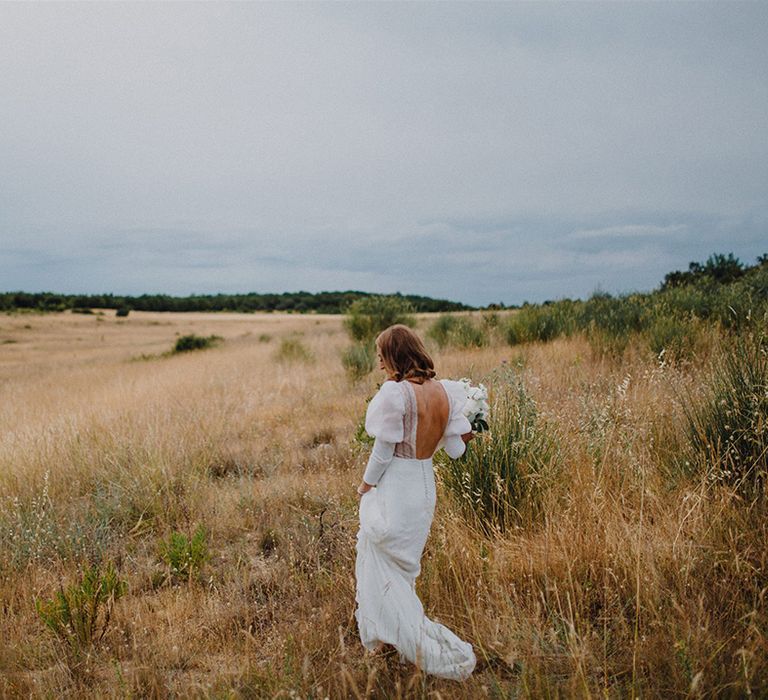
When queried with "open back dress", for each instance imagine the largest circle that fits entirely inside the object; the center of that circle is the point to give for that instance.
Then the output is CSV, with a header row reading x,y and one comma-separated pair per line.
x,y
395,518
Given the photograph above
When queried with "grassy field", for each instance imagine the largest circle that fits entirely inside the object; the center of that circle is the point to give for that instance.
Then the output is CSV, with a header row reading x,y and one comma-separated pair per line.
x,y
630,581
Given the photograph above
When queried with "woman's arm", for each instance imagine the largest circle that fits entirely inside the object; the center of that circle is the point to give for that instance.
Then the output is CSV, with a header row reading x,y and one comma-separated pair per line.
x,y
381,456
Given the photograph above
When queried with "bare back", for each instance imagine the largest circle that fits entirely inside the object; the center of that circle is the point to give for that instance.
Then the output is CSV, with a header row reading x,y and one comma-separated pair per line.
x,y
426,416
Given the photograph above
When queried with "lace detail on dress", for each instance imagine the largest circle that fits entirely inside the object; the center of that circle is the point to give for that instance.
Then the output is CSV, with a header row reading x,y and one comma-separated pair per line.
x,y
407,448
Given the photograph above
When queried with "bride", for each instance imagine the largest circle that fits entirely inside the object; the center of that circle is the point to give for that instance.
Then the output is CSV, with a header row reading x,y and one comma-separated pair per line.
x,y
411,417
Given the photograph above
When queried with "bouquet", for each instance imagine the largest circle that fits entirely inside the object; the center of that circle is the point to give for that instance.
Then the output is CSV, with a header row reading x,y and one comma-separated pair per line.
x,y
476,408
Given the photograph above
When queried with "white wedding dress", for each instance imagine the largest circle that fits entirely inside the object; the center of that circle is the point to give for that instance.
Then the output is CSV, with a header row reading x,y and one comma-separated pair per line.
x,y
395,518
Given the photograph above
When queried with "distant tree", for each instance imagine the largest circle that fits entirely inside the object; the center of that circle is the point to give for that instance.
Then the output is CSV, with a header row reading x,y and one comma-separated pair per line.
x,y
720,269
723,268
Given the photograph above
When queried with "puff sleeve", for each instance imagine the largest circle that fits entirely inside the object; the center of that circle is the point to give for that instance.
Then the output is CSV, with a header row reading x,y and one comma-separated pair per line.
x,y
383,421
384,418
458,424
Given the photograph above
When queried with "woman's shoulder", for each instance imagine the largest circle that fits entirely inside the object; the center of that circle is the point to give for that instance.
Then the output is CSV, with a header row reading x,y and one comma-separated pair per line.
x,y
384,417
389,394
455,390
457,396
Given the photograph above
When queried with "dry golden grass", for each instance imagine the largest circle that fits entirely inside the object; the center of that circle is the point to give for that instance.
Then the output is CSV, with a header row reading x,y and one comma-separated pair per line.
x,y
633,583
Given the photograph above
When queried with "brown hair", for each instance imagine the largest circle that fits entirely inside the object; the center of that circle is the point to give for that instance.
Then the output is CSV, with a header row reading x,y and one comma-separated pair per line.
x,y
404,354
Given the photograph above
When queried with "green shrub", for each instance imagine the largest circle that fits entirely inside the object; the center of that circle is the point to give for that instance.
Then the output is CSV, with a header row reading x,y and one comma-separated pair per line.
x,y
122,312
187,343
457,331
504,472
688,301
613,316
673,336
79,614
79,310
367,317
185,555
359,360
468,335
728,429
442,329
741,306
532,323
293,350
491,319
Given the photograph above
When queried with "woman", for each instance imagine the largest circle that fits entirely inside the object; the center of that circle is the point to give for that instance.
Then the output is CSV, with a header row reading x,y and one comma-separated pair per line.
x,y
410,418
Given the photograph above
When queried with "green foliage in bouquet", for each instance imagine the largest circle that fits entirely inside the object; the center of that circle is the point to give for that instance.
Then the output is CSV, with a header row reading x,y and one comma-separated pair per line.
x,y
728,429
504,473
79,614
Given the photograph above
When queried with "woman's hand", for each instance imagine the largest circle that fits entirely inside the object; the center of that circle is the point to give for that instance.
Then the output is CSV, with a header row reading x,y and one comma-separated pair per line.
x,y
467,437
363,488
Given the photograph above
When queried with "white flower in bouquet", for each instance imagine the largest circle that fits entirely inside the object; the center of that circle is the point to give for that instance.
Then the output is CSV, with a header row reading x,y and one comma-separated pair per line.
x,y
476,408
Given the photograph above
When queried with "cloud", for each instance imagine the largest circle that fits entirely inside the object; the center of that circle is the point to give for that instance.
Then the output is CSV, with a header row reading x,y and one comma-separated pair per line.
x,y
629,231
480,152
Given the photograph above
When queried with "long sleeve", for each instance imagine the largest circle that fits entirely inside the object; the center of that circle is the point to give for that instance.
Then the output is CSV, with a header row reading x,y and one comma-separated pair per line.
x,y
381,456
383,421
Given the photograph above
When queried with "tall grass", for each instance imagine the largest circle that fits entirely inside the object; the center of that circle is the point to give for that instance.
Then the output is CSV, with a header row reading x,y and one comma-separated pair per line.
x,y
609,580
503,474
728,427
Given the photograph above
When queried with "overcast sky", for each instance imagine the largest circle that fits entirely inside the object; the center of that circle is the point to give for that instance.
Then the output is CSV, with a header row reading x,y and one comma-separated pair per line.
x,y
479,152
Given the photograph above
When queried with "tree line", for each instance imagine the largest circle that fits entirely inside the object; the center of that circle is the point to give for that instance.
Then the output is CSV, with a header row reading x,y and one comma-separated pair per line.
x,y
297,302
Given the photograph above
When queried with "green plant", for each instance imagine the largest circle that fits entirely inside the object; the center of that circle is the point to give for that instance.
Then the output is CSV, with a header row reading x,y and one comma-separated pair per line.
x,y
79,614
293,350
504,472
185,555
358,360
186,343
440,331
122,312
457,331
367,317
671,335
542,322
728,428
